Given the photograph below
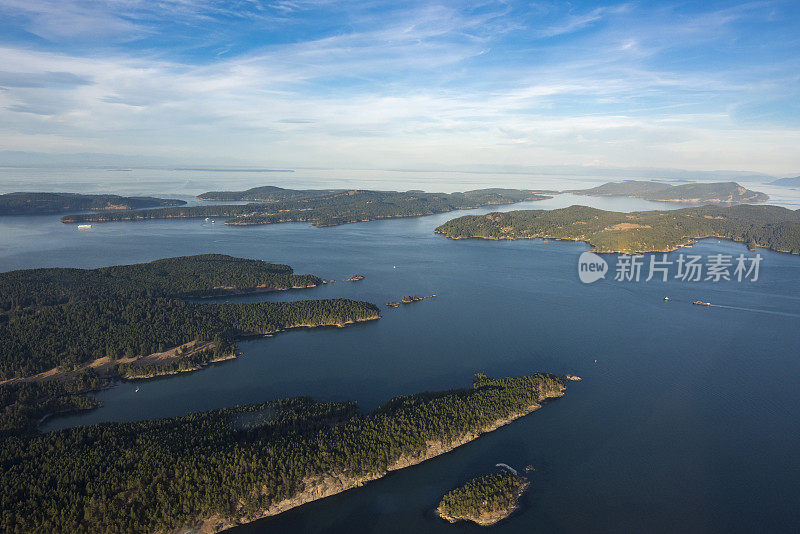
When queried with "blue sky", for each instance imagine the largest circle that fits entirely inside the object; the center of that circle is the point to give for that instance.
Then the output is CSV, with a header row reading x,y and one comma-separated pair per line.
x,y
374,84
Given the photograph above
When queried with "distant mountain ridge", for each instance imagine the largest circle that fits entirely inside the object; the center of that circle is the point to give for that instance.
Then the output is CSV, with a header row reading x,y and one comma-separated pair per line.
x,y
695,193
267,193
787,182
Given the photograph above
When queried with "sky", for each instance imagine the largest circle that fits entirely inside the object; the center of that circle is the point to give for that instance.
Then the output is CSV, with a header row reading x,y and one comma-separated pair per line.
x,y
404,85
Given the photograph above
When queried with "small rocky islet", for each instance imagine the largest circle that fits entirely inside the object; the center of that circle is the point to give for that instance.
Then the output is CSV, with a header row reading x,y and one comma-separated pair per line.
x,y
484,500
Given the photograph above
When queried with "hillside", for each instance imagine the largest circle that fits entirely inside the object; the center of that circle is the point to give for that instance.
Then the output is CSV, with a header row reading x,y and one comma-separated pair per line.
x,y
721,192
49,203
208,471
770,227
273,205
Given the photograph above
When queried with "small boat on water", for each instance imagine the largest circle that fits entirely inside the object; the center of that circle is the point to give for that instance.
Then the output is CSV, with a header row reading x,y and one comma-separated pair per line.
x,y
84,226
136,390
667,298
701,303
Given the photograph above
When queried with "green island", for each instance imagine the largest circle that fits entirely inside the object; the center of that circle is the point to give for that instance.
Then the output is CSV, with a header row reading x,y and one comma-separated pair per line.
x,y
212,470
408,299
50,203
272,205
771,227
484,500
66,332
719,192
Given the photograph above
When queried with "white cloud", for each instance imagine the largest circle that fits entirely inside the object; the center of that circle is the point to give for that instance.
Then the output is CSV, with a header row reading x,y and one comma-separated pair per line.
x,y
426,88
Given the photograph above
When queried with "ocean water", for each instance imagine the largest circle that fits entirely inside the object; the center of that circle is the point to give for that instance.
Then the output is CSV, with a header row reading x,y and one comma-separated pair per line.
x,y
686,418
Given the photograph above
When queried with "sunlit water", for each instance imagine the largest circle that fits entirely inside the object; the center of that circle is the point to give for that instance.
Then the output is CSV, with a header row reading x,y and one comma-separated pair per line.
x,y
686,419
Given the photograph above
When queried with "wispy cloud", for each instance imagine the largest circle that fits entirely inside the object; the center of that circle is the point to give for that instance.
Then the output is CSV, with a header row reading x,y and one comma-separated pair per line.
x,y
485,82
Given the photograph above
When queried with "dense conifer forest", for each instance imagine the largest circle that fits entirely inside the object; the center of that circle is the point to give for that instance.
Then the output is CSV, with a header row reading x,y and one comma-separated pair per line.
x,y
485,499
233,464
69,319
770,227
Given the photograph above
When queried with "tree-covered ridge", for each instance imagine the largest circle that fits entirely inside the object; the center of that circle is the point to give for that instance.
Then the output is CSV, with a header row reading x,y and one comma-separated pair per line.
x,y
72,334
720,192
324,208
134,320
770,227
484,500
236,464
267,193
47,203
171,277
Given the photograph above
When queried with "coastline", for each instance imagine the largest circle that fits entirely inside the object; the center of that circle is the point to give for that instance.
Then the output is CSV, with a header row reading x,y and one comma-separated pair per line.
x,y
334,483
55,373
596,250
489,519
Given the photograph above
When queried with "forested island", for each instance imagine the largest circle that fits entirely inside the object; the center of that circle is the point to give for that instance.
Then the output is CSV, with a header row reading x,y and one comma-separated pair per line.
x,y
50,203
212,470
720,192
272,205
771,227
484,500
64,332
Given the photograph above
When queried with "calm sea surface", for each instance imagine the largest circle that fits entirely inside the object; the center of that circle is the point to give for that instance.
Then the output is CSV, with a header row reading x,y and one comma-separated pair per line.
x,y
686,418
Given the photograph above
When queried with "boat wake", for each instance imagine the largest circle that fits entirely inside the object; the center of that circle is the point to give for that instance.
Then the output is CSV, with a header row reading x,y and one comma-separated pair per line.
x,y
756,310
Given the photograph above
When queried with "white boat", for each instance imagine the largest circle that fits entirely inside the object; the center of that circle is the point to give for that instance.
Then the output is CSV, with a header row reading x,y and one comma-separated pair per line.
x,y
667,298
206,219
84,226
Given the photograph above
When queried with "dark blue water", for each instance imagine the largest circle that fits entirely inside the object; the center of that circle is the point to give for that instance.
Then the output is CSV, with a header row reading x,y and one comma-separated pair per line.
x,y
686,419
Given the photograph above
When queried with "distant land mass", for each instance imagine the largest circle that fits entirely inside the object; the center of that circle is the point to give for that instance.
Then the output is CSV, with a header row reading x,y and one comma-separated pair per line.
x,y
787,182
326,207
771,227
66,332
267,193
694,193
209,471
49,203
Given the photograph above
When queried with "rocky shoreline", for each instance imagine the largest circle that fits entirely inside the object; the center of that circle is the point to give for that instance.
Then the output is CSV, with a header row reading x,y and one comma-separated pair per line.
x,y
489,518
331,484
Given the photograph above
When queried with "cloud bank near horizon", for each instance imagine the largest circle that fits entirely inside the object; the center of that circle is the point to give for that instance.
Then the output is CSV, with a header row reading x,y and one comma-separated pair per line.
x,y
381,85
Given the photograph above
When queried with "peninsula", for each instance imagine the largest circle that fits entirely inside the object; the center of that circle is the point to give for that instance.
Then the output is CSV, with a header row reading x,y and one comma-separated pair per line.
x,y
209,471
484,500
698,193
65,332
272,205
51,203
771,227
